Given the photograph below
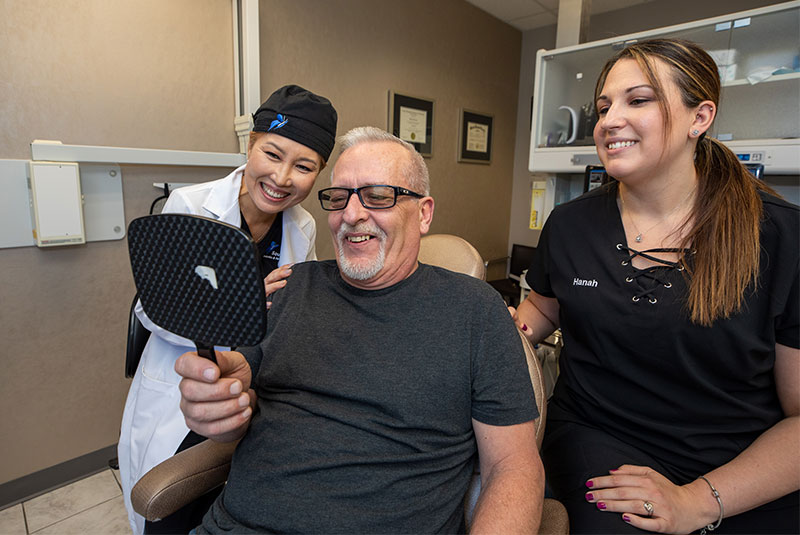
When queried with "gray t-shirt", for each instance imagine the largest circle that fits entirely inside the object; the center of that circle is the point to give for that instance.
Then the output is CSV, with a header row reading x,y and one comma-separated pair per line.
x,y
365,404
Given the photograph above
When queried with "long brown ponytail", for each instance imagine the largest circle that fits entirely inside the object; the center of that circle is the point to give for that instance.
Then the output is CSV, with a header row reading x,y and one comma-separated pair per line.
x,y
726,216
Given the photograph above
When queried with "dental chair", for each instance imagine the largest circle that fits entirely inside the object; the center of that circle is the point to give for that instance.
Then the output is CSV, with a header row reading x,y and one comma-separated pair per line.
x,y
137,339
453,253
182,478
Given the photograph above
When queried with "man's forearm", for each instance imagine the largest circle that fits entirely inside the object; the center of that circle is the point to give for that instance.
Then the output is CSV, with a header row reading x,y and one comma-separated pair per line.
x,y
510,501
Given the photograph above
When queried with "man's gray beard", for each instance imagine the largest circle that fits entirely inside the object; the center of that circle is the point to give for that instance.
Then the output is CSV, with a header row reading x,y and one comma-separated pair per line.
x,y
359,271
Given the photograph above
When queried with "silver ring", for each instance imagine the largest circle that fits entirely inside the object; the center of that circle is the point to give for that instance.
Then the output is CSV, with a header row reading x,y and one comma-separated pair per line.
x,y
649,508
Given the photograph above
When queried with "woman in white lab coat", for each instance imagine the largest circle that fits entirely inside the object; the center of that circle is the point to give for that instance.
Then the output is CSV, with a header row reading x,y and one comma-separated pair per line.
x,y
293,136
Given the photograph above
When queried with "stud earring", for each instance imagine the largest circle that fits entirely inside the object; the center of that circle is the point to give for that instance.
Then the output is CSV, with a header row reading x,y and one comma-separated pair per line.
x,y
695,132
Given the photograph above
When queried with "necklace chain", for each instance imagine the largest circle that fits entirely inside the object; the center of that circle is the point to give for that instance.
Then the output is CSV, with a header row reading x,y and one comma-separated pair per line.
x,y
261,237
640,234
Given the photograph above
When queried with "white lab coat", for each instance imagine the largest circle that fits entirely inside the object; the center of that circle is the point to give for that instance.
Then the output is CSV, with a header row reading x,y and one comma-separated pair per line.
x,y
152,424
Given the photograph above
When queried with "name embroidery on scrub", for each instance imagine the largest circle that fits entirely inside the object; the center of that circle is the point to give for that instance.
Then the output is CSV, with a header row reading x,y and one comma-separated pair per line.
x,y
584,282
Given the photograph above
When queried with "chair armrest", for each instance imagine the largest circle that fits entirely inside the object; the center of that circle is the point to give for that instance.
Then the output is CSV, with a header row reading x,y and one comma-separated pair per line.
x,y
555,520
182,479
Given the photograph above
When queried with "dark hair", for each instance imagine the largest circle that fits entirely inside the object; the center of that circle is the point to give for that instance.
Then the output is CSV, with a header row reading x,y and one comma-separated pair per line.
x,y
727,212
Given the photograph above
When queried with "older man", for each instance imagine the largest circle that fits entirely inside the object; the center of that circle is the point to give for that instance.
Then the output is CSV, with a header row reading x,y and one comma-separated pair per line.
x,y
377,382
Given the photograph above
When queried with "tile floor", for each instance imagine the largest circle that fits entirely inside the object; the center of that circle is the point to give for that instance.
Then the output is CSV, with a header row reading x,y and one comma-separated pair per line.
x,y
90,506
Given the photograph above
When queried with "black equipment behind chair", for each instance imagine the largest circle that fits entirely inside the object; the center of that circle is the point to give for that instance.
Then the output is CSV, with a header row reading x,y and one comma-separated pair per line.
x,y
519,261
137,339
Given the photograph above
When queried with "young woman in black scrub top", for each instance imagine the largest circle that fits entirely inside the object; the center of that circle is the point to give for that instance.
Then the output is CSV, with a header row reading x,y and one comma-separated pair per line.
x,y
676,290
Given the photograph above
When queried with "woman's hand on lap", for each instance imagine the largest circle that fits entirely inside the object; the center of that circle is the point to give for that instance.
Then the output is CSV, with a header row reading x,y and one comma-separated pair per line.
x,y
675,508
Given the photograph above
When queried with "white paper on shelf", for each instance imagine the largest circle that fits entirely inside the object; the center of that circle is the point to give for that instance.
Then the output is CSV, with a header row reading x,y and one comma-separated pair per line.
x,y
760,74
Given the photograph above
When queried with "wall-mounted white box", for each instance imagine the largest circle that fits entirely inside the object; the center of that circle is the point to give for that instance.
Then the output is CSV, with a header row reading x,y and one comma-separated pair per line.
x,y
57,203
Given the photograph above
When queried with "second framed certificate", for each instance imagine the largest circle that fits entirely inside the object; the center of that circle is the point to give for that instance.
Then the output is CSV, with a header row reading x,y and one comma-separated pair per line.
x,y
411,119
475,137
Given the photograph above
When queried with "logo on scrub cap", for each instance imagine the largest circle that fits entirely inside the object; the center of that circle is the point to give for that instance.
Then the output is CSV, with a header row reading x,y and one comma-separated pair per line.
x,y
277,123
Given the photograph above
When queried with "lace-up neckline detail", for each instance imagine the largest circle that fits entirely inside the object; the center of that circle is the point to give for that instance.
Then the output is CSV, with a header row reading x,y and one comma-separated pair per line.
x,y
646,281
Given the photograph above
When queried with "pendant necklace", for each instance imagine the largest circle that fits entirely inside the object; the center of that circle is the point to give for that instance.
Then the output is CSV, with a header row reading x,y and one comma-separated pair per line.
x,y
640,234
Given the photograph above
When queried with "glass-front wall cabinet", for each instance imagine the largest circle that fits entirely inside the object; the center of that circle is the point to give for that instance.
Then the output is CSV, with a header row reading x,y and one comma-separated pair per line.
x,y
758,55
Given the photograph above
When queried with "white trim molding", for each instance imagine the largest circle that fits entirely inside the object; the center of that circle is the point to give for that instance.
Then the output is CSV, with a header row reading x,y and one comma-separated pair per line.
x,y
55,151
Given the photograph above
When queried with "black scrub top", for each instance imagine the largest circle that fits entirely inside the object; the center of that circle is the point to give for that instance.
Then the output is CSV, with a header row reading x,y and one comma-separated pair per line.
x,y
269,247
634,364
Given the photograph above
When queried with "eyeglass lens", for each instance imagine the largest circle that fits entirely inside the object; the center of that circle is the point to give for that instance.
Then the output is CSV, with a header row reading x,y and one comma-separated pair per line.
x,y
370,196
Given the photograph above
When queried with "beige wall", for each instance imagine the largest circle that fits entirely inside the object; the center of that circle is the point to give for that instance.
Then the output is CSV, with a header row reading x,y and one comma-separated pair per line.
x,y
63,320
355,51
138,73
126,73
158,74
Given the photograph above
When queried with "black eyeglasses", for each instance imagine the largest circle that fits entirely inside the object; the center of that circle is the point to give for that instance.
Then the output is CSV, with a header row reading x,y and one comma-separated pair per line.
x,y
374,197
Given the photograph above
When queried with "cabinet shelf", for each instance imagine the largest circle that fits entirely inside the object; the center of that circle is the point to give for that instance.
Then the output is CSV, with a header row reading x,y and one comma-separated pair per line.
x,y
772,78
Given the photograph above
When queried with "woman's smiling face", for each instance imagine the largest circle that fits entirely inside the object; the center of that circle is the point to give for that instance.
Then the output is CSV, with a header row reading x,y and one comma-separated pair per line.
x,y
630,133
280,172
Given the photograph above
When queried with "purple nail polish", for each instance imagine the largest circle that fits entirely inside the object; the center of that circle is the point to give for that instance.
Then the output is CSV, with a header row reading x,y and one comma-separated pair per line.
x,y
626,518
589,484
524,327
589,496
601,505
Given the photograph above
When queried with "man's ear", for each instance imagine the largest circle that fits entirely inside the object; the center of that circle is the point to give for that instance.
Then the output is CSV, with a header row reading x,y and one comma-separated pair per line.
x,y
425,214
704,116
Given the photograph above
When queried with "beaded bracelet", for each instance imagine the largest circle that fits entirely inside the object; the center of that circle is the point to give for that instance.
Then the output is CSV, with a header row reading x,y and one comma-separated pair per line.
x,y
712,527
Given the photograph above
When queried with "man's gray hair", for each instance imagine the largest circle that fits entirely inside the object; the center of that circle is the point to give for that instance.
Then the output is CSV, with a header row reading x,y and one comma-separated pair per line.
x,y
416,172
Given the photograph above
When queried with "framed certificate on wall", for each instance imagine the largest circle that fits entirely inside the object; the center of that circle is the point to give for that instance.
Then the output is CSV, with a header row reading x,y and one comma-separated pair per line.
x,y
411,119
474,137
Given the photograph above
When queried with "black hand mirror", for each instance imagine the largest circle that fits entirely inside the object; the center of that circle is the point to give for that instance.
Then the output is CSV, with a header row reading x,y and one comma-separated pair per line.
x,y
200,279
